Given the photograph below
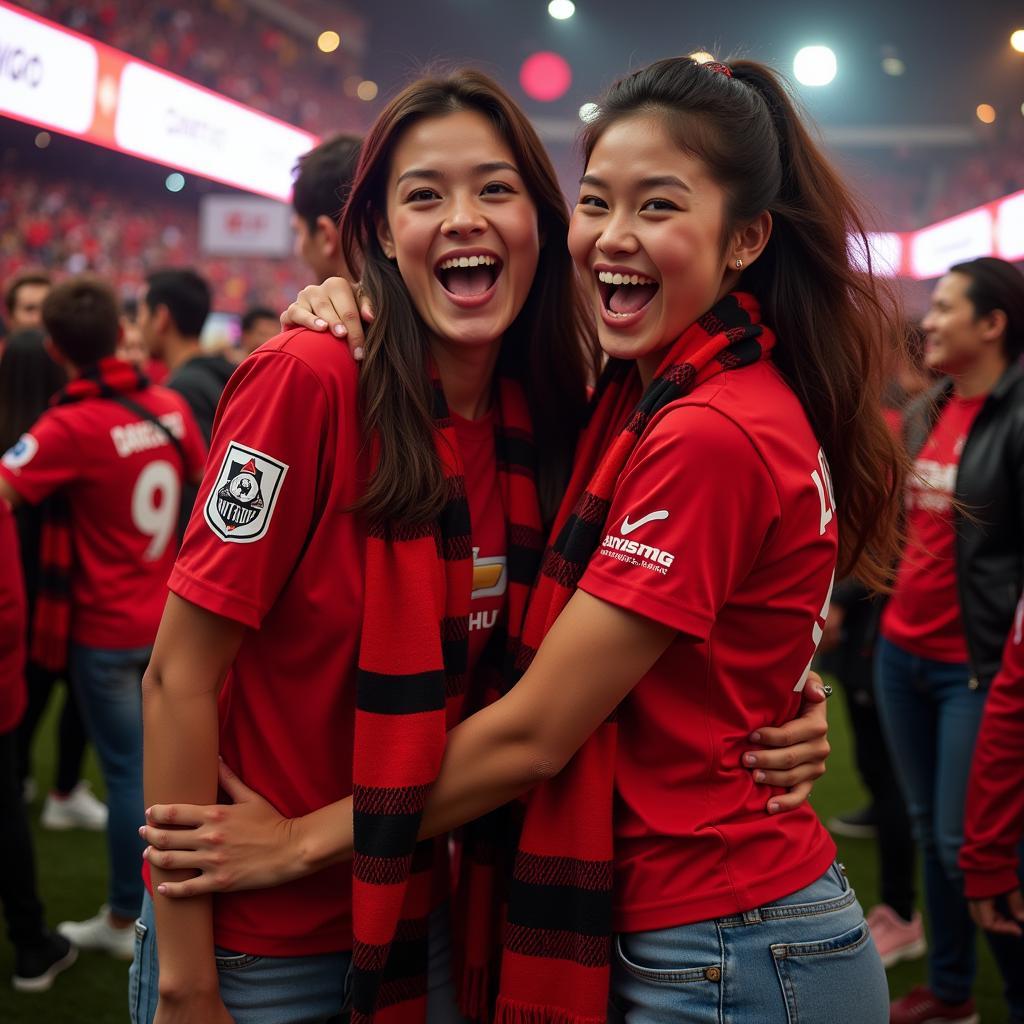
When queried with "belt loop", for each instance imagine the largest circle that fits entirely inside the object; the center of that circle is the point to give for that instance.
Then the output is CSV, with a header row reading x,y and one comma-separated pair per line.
x,y
752,917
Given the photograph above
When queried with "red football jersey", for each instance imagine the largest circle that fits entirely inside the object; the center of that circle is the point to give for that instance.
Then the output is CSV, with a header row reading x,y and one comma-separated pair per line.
x,y
487,517
994,820
123,478
12,624
923,614
722,526
273,544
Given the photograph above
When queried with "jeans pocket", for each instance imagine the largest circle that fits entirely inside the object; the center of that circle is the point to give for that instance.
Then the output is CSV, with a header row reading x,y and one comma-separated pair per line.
x,y
840,979
659,972
229,960
135,973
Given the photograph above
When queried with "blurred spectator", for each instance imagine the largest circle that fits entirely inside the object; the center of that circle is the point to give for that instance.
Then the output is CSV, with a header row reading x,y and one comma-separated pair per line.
x,y
991,855
23,299
39,954
944,628
29,378
259,324
112,452
323,178
171,318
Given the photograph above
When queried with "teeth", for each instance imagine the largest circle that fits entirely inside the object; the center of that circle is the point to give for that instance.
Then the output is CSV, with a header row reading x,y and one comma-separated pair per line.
x,y
468,261
607,277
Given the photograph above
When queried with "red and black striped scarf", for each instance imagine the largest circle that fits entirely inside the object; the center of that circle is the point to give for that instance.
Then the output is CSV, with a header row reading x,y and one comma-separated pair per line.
x,y
51,623
412,681
555,965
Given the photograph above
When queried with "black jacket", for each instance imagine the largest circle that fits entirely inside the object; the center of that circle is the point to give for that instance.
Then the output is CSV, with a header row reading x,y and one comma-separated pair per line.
x,y
989,530
990,522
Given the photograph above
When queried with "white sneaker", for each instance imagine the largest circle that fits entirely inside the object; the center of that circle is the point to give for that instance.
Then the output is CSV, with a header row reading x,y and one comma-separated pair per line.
x,y
99,935
79,809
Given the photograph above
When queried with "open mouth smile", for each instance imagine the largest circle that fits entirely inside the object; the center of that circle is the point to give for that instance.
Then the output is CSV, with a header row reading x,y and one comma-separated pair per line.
x,y
625,295
469,279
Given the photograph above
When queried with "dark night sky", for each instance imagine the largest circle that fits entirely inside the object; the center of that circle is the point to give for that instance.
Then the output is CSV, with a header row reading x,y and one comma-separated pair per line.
x,y
956,55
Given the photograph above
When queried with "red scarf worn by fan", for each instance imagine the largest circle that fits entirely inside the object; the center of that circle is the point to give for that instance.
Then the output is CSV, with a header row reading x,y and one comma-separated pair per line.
x,y
555,965
412,682
51,622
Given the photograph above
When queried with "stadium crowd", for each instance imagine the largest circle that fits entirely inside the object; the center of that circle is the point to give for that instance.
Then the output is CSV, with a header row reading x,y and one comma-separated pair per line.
x,y
102,468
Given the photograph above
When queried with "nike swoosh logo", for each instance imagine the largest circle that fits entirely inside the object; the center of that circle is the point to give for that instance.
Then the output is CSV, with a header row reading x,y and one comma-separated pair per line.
x,y
628,527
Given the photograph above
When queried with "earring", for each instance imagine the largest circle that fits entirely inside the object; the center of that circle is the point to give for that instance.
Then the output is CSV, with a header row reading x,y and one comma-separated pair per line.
x,y
739,264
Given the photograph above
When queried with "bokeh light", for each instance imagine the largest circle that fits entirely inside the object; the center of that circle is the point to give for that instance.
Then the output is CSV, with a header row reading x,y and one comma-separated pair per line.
x,y
175,182
893,66
702,56
545,76
815,65
328,41
367,90
985,113
1017,40
561,10
588,112
43,139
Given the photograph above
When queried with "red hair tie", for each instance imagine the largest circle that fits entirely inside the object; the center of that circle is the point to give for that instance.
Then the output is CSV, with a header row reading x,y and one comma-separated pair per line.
x,y
722,69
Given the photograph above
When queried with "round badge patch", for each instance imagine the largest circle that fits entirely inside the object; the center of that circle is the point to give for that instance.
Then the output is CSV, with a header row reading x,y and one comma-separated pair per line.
x,y
21,452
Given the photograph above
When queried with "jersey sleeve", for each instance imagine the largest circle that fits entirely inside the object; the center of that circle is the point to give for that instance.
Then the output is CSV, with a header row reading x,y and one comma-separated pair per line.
x,y
43,460
259,496
994,816
688,517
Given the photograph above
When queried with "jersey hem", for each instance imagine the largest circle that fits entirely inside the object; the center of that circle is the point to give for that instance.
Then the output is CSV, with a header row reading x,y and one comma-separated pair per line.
x,y
764,891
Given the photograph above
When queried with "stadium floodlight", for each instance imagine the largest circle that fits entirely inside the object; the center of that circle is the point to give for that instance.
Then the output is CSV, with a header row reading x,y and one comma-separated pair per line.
x,y
1017,40
815,65
561,10
328,41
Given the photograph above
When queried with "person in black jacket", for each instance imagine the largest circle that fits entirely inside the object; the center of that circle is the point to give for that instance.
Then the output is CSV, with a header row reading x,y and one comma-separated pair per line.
x,y
943,630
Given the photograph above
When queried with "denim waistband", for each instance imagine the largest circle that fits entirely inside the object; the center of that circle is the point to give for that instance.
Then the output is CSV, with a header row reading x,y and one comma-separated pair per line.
x,y
835,877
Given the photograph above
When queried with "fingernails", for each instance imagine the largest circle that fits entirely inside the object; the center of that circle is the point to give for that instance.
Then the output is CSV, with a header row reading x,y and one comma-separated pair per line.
x,y
821,691
773,808
340,330
366,313
142,831
759,776
755,737
162,889
149,811
750,759
358,353
319,324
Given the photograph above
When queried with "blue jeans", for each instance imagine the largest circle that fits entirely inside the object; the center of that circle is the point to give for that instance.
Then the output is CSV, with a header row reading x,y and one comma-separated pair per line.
x,y
808,958
931,718
285,990
108,686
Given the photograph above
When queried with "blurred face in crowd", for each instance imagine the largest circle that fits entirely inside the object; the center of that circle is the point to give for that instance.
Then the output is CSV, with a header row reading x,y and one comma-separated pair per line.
x,y
132,346
263,329
956,338
461,226
647,238
150,328
28,306
320,249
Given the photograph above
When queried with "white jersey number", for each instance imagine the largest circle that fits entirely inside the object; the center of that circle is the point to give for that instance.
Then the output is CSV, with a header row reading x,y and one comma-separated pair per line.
x,y
155,503
823,481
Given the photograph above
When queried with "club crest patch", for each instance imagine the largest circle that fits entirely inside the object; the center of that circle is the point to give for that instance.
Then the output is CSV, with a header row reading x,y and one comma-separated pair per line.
x,y
21,452
242,500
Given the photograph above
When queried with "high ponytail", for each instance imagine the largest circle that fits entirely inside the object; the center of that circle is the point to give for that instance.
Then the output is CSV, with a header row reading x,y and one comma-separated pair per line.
x,y
837,323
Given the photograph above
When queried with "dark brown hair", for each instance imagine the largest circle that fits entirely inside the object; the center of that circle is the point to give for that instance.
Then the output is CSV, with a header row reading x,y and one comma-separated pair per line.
x,y
550,347
82,318
20,280
834,321
995,284
29,378
323,177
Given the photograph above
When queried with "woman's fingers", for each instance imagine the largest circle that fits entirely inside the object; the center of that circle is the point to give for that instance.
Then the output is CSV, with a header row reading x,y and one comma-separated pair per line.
x,y
181,815
791,800
233,785
812,724
178,860
201,885
810,753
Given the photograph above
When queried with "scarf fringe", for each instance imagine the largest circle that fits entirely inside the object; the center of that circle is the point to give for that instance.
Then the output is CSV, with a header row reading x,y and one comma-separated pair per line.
x,y
474,994
510,1011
